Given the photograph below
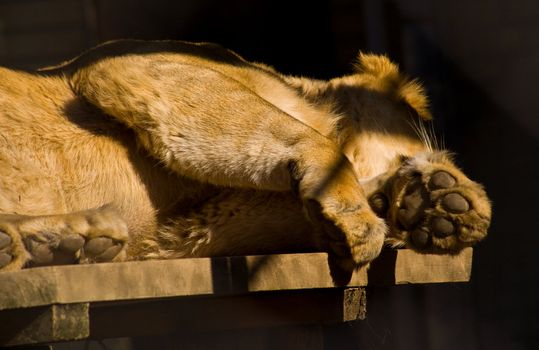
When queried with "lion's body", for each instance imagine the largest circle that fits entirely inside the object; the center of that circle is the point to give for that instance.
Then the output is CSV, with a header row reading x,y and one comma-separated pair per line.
x,y
202,153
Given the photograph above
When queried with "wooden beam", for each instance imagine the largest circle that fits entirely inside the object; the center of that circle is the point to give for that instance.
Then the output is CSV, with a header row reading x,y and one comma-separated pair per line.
x,y
61,303
216,276
185,315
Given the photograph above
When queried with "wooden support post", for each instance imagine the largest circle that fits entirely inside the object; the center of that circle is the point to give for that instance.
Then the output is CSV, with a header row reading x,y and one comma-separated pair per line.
x,y
45,324
354,304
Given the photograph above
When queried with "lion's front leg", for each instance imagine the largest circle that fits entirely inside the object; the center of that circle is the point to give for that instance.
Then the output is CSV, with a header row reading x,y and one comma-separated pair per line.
x,y
337,206
207,126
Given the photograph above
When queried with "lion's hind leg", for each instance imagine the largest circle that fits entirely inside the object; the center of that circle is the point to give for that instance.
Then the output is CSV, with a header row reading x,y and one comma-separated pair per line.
x,y
95,235
434,206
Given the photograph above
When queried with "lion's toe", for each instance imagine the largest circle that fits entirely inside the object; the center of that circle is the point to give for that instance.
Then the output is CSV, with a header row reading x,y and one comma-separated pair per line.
x,y
102,249
6,255
71,243
441,179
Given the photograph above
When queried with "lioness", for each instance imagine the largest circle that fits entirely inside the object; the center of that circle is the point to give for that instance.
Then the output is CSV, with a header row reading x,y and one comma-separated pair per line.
x,y
143,150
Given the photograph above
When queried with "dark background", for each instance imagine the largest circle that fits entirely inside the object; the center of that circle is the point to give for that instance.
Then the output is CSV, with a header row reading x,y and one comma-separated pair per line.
x,y
480,63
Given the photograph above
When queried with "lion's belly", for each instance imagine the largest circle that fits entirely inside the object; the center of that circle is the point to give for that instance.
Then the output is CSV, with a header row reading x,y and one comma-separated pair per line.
x,y
238,222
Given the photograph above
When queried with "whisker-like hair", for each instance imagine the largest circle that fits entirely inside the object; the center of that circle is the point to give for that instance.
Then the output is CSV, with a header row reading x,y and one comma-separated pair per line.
x,y
421,131
443,142
427,134
434,136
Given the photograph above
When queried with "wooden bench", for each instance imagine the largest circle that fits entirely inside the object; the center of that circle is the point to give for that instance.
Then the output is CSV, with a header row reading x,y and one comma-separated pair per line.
x,y
64,303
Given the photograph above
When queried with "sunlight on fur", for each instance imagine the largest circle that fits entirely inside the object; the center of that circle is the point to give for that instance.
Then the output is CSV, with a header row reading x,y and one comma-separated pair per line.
x,y
150,150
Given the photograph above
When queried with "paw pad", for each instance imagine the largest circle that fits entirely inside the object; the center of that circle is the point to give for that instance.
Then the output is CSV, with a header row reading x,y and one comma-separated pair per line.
x,y
413,205
442,227
5,249
102,249
5,240
49,249
379,204
428,211
5,259
441,179
41,253
455,203
420,237
68,249
71,243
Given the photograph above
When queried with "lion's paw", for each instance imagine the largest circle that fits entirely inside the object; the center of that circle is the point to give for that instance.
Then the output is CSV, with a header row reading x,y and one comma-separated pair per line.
x,y
351,237
97,235
13,255
51,249
90,236
436,207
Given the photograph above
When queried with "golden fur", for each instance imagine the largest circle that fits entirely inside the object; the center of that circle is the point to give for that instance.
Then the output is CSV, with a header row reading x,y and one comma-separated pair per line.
x,y
177,149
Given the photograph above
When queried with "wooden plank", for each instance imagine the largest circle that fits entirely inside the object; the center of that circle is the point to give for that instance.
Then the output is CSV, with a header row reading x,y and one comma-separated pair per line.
x,y
179,315
216,276
204,314
405,266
